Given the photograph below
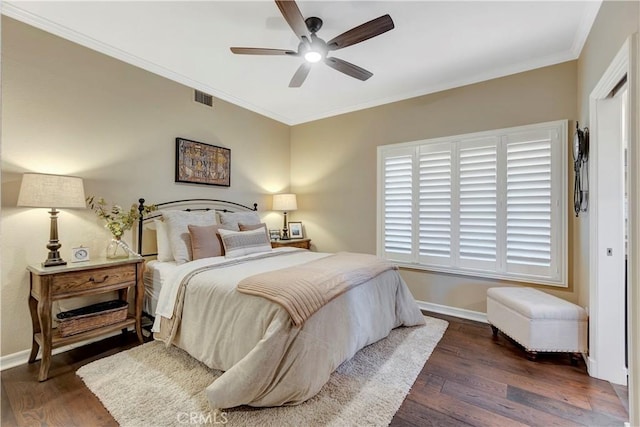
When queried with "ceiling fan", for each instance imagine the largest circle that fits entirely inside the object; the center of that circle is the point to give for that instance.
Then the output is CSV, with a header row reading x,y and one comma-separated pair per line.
x,y
314,49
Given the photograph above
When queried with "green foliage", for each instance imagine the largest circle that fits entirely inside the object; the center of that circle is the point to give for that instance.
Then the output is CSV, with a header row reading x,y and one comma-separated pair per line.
x,y
118,220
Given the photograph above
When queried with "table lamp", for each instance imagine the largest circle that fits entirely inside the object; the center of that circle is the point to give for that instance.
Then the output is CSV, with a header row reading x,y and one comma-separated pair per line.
x,y
286,203
52,191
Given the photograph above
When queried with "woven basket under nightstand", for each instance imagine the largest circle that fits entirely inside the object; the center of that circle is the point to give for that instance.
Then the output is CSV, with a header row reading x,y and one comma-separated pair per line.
x,y
90,317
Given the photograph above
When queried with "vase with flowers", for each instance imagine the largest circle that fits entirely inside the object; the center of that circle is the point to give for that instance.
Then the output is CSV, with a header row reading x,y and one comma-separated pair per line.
x,y
118,220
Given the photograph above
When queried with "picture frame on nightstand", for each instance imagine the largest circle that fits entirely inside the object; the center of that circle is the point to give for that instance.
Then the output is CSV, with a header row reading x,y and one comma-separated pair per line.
x,y
274,234
295,230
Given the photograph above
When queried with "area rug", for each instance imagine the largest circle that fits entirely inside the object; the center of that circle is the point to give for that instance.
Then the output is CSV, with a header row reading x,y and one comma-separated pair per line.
x,y
151,385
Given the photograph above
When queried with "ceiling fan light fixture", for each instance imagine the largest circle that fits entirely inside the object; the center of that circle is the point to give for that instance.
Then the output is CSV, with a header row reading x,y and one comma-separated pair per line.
x,y
314,49
313,56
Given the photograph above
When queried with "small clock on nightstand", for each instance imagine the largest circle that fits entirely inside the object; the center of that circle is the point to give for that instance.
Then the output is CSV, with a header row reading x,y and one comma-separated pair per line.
x,y
79,254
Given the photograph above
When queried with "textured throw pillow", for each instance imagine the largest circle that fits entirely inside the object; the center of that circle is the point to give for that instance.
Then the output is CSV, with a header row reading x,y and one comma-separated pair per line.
x,y
162,242
249,227
205,241
177,229
231,219
238,243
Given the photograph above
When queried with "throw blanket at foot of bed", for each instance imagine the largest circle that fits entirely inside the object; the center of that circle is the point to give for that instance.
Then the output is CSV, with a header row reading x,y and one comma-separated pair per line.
x,y
304,289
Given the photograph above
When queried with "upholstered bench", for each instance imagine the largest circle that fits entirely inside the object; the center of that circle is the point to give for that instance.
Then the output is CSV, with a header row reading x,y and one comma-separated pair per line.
x,y
538,321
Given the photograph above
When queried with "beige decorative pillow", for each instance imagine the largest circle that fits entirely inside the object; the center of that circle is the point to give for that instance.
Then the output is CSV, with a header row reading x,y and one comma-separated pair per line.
x,y
249,227
239,243
205,241
231,219
162,242
177,228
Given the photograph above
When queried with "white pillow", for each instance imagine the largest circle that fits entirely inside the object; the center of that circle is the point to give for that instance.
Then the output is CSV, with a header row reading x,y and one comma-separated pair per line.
x,y
177,223
239,243
231,219
162,241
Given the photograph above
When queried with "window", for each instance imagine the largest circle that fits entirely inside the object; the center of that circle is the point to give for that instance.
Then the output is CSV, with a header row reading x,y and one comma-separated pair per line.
x,y
491,204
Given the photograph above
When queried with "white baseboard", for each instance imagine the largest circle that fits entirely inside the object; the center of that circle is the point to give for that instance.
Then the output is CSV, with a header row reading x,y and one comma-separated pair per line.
x,y
453,311
22,357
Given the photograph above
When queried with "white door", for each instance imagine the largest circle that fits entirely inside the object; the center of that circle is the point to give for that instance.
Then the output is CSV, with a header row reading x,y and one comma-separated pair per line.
x,y
610,246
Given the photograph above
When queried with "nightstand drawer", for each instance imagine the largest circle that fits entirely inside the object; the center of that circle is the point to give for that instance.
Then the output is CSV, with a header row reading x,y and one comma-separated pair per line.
x,y
92,279
292,243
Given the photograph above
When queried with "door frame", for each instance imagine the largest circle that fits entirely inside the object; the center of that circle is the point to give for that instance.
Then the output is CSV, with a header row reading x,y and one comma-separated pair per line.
x,y
624,63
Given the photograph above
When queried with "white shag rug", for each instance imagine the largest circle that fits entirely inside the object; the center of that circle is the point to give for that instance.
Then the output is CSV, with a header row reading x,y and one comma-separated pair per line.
x,y
151,385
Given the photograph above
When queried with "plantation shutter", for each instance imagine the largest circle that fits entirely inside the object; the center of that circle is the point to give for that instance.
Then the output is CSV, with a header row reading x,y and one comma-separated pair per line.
x,y
435,204
490,204
478,163
529,208
398,203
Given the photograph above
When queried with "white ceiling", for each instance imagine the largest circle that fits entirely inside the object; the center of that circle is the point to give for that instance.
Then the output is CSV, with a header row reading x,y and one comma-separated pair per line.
x,y
435,45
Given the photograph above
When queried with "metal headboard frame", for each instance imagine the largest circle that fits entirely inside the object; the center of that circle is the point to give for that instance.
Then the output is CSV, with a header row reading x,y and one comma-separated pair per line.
x,y
219,206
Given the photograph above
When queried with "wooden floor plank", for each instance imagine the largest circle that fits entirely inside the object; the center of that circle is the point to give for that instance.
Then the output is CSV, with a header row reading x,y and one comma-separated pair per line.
x,y
423,416
610,407
455,372
7,417
561,409
463,411
505,407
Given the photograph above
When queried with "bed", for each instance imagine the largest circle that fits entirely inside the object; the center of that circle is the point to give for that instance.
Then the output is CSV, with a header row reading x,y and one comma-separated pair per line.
x,y
211,308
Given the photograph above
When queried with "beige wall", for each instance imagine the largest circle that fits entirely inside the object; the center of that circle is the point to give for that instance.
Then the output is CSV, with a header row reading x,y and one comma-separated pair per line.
x,y
69,110
333,165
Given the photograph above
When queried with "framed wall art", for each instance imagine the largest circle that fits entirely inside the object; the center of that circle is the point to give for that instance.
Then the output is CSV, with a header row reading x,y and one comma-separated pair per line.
x,y
199,163
295,230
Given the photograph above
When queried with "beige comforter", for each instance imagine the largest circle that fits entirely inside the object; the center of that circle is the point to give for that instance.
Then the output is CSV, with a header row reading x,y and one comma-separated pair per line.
x,y
267,359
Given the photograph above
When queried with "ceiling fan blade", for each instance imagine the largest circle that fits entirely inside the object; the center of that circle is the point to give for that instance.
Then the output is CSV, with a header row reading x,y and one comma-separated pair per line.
x,y
348,68
361,33
261,51
301,74
294,18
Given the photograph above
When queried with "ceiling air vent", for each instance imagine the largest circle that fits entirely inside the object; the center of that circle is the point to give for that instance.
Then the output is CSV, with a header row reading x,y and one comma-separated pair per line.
x,y
203,98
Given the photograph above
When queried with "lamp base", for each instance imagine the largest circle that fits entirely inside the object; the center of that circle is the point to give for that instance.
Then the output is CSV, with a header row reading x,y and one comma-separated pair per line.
x,y
53,259
285,234
54,262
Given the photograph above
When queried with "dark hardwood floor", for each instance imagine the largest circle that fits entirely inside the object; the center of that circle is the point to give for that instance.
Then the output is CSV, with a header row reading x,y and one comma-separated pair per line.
x,y
473,379
470,379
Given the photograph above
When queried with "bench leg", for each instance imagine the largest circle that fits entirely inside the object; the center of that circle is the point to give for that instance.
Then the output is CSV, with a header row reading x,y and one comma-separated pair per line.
x,y
574,358
495,331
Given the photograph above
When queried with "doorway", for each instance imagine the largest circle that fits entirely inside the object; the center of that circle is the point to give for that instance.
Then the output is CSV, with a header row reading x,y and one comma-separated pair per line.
x,y
613,221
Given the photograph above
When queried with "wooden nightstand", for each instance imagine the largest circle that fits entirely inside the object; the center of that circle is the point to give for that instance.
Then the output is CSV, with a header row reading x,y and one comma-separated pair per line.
x,y
93,277
292,243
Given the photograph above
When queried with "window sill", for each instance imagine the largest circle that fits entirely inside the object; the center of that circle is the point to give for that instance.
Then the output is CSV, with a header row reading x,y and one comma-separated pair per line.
x,y
481,274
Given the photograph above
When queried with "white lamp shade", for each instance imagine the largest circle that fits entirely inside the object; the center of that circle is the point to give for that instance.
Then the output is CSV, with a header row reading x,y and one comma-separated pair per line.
x,y
284,202
51,191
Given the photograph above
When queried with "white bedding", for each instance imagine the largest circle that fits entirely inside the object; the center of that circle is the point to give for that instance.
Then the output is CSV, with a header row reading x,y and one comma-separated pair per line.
x,y
155,275
267,360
